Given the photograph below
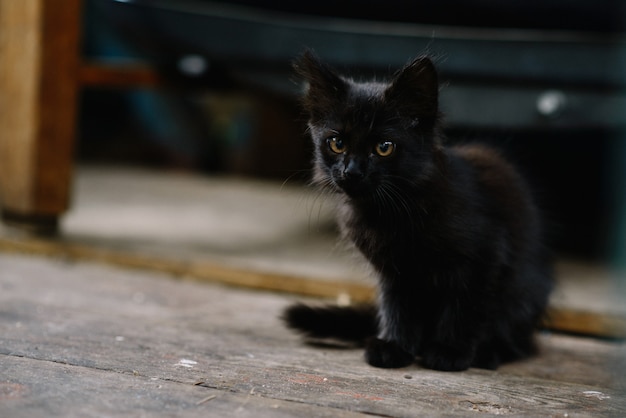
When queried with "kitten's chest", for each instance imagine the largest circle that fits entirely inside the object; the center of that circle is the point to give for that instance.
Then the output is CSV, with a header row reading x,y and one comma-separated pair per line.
x,y
383,242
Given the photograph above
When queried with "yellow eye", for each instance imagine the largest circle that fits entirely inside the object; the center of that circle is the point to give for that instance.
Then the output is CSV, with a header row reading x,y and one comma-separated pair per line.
x,y
336,145
385,148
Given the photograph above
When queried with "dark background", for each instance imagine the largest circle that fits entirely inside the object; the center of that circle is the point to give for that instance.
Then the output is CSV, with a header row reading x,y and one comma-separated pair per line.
x,y
236,111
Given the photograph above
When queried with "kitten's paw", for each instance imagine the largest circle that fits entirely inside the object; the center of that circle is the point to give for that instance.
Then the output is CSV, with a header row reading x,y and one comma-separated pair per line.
x,y
386,354
447,359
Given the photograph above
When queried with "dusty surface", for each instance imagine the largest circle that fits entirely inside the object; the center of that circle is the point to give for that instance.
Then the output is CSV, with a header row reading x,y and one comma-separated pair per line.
x,y
80,339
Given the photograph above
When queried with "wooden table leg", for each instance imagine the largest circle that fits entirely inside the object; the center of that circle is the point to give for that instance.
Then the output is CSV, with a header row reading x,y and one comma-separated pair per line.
x,y
39,57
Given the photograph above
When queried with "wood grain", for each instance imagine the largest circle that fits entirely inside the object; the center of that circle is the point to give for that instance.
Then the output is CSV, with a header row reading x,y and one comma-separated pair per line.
x,y
43,391
129,341
38,85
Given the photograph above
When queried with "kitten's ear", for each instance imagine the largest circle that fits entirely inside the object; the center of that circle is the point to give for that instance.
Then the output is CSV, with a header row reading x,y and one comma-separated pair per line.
x,y
414,91
325,88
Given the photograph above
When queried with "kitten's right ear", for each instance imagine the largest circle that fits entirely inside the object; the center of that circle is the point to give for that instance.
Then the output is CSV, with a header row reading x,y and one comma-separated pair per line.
x,y
324,87
414,91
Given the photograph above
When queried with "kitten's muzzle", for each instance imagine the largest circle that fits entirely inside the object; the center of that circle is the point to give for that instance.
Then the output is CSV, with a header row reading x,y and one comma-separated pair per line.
x,y
353,172
353,180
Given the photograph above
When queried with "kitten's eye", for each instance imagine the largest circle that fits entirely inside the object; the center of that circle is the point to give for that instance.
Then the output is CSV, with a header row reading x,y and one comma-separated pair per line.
x,y
385,148
336,145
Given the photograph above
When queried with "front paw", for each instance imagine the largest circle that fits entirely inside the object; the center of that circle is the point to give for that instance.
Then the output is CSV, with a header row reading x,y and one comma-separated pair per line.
x,y
448,359
386,354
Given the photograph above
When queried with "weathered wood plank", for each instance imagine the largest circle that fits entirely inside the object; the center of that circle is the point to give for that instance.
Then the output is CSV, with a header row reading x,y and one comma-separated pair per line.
x,y
33,388
151,327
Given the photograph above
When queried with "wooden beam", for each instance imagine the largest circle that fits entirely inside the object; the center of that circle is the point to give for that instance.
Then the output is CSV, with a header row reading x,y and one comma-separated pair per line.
x,y
117,74
39,42
575,321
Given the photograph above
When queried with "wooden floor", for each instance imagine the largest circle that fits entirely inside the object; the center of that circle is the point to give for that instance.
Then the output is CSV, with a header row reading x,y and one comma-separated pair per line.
x,y
127,314
80,339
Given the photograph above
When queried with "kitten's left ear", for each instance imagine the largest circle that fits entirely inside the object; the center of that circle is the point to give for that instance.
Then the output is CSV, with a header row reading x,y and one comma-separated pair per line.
x,y
414,91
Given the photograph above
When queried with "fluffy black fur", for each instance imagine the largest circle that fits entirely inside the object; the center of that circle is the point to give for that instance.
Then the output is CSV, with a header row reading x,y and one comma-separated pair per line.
x,y
452,232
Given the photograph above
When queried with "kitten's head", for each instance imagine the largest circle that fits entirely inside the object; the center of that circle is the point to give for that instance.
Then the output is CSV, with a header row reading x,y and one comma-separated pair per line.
x,y
370,136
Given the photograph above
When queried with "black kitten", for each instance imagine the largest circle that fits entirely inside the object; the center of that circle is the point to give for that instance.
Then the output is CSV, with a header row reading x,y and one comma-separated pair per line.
x,y
451,231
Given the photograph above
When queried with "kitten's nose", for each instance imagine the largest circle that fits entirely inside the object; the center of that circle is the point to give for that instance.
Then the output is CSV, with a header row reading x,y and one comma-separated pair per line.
x,y
353,171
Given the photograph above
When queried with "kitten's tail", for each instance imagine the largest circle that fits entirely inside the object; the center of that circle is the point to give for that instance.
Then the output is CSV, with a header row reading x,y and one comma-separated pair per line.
x,y
349,323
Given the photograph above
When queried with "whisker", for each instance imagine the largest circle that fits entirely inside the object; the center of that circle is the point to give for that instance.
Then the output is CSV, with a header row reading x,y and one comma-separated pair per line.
x,y
400,204
292,175
323,191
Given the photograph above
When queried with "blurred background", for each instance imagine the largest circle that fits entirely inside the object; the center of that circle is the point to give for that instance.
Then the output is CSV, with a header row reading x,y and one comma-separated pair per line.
x,y
542,80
